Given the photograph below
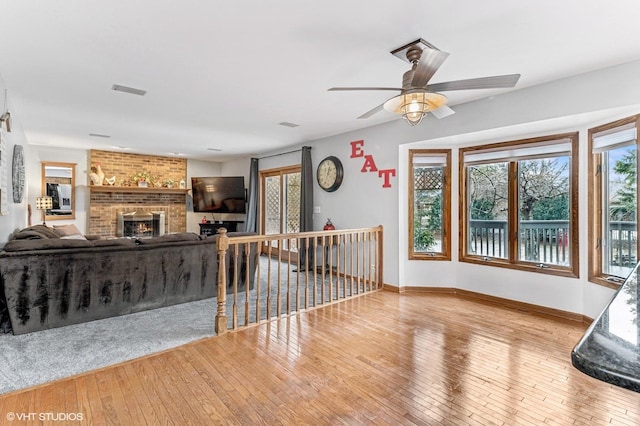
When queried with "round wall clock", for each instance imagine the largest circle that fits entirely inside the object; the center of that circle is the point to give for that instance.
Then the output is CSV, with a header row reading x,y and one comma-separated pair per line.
x,y
329,174
18,173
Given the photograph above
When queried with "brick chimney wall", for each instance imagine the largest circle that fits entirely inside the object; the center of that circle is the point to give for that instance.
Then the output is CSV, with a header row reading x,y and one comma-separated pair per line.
x,y
103,206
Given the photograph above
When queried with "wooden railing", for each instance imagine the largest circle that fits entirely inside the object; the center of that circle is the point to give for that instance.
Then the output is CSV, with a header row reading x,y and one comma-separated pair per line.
x,y
317,268
623,238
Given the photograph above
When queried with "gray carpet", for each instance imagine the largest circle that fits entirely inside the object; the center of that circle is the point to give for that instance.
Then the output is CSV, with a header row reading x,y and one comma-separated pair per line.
x,y
43,356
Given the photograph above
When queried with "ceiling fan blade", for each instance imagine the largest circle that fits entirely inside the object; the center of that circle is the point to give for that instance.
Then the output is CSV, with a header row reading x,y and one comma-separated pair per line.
x,y
430,61
335,89
495,82
442,112
372,111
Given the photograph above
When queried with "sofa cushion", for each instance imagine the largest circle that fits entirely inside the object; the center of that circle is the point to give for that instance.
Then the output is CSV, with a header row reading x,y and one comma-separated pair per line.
x,y
45,244
35,232
170,238
115,242
68,231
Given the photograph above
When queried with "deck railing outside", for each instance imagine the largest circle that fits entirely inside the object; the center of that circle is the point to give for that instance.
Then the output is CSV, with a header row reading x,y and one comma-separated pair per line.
x,y
623,236
548,241
328,266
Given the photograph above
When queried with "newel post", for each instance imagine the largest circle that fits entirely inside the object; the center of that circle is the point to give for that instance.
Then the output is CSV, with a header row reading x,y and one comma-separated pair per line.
x,y
221,317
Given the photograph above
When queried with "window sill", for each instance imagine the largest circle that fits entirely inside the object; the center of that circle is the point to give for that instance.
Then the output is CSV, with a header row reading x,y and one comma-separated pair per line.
x,y
429,256
602,280
529,267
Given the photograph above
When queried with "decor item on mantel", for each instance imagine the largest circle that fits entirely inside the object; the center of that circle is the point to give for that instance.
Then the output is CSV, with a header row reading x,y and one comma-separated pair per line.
x,y
111,181
96,175
168,183
143,178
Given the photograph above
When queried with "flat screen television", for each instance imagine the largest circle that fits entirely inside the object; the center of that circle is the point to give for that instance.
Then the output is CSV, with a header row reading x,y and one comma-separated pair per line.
x,y
219,194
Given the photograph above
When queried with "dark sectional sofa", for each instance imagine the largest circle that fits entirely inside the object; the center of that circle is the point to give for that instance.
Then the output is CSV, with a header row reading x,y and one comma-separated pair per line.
x,y
48,282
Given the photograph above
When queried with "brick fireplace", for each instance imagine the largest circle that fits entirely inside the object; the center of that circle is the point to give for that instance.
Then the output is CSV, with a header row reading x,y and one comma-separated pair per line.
x,y
124,197
105,206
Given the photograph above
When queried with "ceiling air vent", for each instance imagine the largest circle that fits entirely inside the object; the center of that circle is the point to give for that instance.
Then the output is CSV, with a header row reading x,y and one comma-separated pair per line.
x,y
287,124
132,90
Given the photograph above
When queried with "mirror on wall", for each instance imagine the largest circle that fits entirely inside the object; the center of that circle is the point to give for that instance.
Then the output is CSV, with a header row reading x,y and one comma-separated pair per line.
x,y
58,182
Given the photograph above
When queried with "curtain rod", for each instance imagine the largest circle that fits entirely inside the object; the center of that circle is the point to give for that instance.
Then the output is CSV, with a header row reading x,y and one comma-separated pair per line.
x,y
282,153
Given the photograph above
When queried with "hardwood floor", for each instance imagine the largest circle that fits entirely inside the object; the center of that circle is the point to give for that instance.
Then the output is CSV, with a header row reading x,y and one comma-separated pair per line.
x,y
383,358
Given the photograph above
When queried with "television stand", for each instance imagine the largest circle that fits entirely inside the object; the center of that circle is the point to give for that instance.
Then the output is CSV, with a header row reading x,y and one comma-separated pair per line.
x,y
211,228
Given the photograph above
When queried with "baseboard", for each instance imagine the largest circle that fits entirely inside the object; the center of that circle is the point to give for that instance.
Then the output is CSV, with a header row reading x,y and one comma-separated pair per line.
x,y
495,300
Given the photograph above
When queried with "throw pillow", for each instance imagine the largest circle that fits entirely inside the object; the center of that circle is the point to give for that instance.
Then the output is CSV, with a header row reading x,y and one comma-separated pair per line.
x,y
68,232
73,237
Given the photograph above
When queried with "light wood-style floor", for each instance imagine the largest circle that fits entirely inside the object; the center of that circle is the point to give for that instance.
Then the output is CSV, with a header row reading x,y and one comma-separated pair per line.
x,y
382,358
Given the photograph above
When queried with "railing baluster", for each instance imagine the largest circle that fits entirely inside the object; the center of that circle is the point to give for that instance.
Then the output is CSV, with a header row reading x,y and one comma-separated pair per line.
x,y
222,244
351,248
279,279
344,265
306,273
258,279
493,242
338,246
289,281
235,286
269,282
247,279
358,263
323,270
315,271
369,259
298,275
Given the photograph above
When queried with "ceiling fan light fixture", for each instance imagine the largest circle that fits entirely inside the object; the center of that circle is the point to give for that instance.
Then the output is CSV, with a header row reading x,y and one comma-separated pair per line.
x,y
413,106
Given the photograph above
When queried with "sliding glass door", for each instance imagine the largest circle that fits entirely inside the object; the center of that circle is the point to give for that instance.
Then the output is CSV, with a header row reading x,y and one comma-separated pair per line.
x,y
280,206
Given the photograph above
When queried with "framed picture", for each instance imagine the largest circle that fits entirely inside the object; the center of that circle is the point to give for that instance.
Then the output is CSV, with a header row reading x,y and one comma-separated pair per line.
x,y
17,173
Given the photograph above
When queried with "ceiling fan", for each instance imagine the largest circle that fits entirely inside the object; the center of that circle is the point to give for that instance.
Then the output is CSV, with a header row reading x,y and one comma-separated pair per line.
x,y
417,96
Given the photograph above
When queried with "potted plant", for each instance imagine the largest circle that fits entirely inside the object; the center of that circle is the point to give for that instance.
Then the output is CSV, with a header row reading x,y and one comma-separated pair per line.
x,y
168,183
143,178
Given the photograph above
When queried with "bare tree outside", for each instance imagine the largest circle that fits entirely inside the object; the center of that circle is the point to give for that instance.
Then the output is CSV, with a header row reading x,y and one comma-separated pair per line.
x,y
543,209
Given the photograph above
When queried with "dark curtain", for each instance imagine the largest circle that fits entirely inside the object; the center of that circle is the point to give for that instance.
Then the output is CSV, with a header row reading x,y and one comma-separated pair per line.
x,y
306,204
252,202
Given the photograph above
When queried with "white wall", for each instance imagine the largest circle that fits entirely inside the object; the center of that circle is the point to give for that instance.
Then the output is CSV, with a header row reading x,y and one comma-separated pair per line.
x,y
571,103
16,217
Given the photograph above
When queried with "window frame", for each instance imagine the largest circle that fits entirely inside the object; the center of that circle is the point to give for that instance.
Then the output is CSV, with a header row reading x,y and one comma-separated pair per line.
x,y
512,260
445,254
595,213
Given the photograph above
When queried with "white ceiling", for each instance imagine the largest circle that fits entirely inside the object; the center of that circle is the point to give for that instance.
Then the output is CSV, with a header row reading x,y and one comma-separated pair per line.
x,y
223,74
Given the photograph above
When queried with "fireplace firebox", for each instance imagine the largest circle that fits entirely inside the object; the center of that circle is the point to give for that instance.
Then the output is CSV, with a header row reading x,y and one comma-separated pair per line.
x,y
140,224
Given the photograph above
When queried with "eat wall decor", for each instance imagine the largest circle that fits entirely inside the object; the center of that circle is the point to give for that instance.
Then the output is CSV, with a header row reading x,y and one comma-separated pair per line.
x,y
370,165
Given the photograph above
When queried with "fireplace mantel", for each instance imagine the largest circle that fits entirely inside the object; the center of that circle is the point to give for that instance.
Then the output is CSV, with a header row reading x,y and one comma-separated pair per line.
x,y
137,189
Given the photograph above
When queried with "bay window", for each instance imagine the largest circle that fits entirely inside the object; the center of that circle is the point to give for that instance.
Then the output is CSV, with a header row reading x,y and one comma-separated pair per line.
x,y
430,204
613,201
519,204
